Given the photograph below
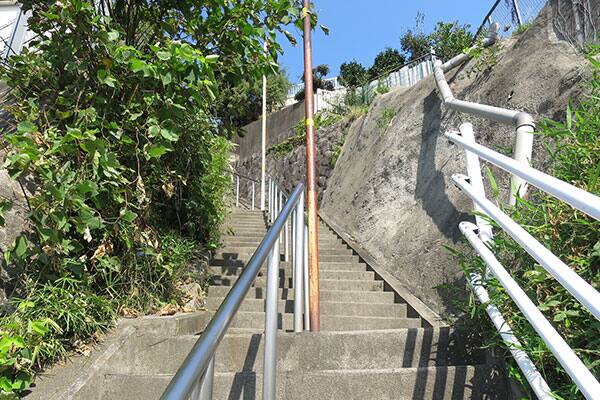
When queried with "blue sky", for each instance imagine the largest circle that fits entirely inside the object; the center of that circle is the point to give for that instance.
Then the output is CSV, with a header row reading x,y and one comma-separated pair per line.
x,y
360,29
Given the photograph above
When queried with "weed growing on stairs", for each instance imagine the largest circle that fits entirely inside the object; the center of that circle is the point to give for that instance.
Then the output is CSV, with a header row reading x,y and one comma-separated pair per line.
x,y
574,149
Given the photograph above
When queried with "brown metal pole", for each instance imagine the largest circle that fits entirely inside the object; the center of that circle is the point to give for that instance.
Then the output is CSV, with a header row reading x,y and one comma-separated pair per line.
x,y
311,177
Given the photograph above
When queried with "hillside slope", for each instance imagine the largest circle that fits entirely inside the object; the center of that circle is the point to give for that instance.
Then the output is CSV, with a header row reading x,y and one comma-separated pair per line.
x,y
391,190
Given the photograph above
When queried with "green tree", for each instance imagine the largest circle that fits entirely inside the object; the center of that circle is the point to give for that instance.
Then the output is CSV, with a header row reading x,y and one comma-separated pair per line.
x,y
242,103
353,74
114,119
319,82
415,42
450,39
385,62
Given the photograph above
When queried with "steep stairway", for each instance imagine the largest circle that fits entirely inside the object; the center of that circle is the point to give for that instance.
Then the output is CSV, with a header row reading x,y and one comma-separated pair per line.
x,y
372,345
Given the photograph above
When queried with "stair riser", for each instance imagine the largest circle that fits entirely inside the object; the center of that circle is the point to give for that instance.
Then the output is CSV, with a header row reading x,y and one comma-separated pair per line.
x,y
326,295
443,383
235,271
345,351
327,308
287,272
245,254
325,284
234,263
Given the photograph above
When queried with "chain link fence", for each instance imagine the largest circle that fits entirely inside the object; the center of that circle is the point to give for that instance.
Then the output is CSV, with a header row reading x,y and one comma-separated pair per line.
x,y
512,15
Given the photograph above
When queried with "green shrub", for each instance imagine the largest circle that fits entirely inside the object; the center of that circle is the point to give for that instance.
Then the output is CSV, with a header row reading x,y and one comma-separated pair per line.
x,y
574,149
384,120
117,121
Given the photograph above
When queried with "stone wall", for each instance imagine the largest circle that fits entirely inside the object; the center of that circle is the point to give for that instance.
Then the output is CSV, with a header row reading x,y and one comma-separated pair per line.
x,y
279,128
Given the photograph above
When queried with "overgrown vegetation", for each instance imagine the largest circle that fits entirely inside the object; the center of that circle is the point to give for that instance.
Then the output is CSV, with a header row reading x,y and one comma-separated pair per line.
x,y
120,124
574,150
319,81
286,147
384,120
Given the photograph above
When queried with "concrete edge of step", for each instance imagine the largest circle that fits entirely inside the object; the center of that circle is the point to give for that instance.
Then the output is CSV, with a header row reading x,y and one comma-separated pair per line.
x,y
429,317
79,371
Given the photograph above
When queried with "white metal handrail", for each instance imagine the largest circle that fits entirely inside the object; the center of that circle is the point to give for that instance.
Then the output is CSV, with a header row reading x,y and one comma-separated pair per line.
x,y
480,236
299,251
252,190
194,378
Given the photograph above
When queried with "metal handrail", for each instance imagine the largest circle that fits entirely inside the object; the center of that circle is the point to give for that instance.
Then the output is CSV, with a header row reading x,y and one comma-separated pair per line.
x,y
237,189
522,121
194,377
480,236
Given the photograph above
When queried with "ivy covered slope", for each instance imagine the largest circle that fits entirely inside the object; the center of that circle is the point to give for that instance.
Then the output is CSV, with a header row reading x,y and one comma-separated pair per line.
x,y
117,122
574,152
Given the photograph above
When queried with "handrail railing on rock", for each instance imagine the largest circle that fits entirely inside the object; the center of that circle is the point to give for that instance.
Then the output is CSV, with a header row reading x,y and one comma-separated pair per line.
x,y
480,235
252,195
194,378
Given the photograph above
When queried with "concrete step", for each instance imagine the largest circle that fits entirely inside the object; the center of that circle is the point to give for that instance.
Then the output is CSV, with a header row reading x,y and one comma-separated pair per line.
x,y
327,307
287,272
256,320
324,284
287,268
235,241
382,349
236,263
326,295
245,252
426,383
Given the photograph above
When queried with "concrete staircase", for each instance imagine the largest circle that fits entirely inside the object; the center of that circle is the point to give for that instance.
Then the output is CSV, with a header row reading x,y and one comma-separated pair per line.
x,y
373,345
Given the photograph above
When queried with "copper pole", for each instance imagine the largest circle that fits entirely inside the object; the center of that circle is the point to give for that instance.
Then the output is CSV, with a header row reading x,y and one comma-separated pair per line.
x,y
311,177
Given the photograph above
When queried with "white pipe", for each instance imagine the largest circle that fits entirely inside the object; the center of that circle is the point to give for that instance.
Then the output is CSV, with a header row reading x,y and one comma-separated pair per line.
x,y
299,264
576,197
306,282
536,381
579,288
253,188
474,172
561,350
263,164
523,122
237,192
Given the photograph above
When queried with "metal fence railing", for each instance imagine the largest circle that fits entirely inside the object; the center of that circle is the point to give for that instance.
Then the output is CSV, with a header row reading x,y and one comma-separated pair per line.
x,y
480,235
194,378
510,14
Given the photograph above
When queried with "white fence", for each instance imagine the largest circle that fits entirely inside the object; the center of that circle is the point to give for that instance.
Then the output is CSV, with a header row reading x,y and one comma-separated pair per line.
x,y
407,76
14,34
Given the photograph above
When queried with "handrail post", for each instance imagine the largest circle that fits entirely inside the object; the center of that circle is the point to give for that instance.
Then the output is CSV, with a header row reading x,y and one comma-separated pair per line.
x,y
270,200
299,264
204,388
253,185
306,281
237,191
271,317
474,173
286,243
523,152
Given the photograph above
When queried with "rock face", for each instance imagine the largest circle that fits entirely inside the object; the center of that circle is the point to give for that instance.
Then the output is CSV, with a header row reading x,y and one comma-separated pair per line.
x,y
391,189
15,223
290,169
